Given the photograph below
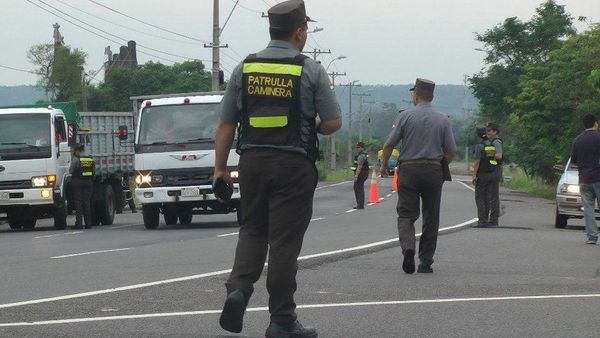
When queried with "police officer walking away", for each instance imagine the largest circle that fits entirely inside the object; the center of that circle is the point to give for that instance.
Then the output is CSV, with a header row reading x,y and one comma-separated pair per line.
x,y
487,174
427,140
361,173
82,172
276,96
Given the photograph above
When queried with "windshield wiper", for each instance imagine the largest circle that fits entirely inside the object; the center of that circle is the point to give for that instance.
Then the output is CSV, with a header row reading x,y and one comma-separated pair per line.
x,y
164,143
199,140
20,144
12,143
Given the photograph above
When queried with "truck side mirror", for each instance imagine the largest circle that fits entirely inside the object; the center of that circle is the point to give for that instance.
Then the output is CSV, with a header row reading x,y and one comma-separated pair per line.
x,y
122,133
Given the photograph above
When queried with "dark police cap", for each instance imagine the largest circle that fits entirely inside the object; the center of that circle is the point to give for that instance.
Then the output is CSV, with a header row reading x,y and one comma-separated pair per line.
x,y
287,15
360,144
492,125
79,146
423,86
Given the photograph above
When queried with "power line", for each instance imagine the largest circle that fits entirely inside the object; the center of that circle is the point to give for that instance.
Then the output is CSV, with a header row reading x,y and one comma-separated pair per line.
x,y
84,28
123,26
113,35
248,9
228,17
147,23
18,70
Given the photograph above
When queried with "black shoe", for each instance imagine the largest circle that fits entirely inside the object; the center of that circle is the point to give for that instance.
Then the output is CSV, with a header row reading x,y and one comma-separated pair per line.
x,y
232,317
479,225
358,207
293,330
77,227
134,211
424,268
492,224
88,226
408,265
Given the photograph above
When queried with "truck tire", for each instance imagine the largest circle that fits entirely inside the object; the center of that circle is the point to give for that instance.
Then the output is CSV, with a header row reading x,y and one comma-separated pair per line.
x,y
107,210
151,215
170,217
29,223
19,219
14,221
60,216
185,217
560,221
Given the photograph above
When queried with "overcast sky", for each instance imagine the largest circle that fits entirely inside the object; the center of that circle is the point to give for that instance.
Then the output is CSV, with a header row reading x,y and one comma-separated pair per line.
x,y
385,41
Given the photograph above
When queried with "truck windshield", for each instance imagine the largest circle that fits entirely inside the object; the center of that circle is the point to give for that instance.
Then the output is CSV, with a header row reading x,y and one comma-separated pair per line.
x,y
188,123
24,136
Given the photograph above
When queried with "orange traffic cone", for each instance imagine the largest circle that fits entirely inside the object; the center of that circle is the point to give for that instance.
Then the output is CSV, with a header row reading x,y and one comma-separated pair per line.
x,y
395,180
373,194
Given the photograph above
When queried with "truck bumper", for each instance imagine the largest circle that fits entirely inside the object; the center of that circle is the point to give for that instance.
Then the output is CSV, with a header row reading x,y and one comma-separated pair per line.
x,y
180,194
26,197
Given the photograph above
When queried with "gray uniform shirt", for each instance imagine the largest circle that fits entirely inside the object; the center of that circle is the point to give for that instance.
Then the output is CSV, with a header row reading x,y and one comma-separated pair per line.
x,y
75,164
426,134
317,98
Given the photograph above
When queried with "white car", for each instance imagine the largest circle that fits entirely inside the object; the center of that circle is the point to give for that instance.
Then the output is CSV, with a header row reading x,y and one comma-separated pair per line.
x,y
568,196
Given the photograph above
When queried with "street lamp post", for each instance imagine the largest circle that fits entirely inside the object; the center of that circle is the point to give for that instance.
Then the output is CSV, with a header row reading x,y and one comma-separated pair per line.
x,y
341,57
332,138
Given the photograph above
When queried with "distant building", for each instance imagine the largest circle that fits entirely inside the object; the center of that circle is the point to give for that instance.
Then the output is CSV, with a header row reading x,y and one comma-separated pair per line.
x,y
127,58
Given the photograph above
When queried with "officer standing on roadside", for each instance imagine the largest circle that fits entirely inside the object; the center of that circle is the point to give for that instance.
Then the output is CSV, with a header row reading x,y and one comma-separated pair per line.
x,y
487,175
82,173
427,140
277,96
361,173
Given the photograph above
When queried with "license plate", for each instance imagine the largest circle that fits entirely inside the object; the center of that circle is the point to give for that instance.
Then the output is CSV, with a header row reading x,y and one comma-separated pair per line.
x,y
4,196
190,192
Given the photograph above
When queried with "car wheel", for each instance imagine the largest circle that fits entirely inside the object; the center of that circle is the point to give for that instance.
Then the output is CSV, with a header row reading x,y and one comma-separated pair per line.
x,y
151,214
185,217
170,217
560,220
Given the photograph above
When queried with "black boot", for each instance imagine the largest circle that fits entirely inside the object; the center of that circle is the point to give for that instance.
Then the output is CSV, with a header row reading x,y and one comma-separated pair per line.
x,y
408,265
232,317
292,330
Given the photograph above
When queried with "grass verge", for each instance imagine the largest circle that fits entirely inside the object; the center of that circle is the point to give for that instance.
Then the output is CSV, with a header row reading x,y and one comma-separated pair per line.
x,y
521,182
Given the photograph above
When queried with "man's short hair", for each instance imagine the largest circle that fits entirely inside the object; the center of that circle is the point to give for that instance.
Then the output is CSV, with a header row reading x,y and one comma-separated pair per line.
x,y
589,120
285,35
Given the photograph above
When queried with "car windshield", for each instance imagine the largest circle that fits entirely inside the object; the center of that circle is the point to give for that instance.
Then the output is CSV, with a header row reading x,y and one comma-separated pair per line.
x,y
179,123
24,130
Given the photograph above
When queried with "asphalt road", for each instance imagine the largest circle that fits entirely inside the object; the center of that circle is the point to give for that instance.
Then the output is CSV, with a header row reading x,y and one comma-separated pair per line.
x,y
525,278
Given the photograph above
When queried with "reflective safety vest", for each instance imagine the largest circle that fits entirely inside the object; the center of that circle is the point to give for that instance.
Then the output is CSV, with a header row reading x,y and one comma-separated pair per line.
x,y
488,162
365,163
271,109
86,167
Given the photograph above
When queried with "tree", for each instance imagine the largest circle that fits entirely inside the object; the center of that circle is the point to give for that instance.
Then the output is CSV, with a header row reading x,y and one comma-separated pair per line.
x,y
66,73
554,96
42,57
148,79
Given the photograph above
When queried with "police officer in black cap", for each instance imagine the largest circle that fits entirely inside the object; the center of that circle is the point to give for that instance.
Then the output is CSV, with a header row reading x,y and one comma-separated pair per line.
x,y
487,175
281,100
427,148
82,173
361,173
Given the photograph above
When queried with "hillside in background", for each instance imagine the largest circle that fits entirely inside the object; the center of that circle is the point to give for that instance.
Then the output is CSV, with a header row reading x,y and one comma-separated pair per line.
x,y
15,95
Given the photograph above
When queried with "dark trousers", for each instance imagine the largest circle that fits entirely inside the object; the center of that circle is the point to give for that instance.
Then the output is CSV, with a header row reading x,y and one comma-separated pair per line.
x,y
359,188
277,189
82,193
487,197
416,183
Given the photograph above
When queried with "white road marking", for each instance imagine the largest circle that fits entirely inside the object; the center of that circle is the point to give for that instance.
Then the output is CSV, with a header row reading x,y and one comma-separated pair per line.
x,y
333,185
466,185
73,233
55,235
47,236
306,306
388,195
351,210
229,234
90,253
123,226
204,275
317,219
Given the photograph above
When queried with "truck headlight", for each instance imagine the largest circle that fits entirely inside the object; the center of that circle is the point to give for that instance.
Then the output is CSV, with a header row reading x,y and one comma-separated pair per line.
x,y
570,189
234,174
43,181
141,179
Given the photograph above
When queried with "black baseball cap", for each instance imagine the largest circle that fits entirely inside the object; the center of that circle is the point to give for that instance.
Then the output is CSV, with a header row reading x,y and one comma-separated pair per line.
x,y
287,15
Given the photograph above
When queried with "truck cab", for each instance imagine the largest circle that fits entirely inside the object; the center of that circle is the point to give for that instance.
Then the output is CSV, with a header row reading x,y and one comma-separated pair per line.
x,y
175,158
34,165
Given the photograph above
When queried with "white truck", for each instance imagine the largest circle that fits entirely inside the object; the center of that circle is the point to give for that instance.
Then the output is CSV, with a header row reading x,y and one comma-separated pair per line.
x,y
35,155
175,158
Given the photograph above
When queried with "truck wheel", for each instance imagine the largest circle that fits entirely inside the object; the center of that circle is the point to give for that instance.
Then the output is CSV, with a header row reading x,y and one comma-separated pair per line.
x,y
60,216
170,217
29,222
151,215
185,217
14,221
107,212
560,221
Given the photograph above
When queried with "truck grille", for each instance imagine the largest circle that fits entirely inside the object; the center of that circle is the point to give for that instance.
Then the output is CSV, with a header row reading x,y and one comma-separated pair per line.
x,y
184,177
6,185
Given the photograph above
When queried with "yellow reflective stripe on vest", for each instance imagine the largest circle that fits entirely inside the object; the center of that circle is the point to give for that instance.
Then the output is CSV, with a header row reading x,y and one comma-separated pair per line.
x,y
272,68
269,121
86,164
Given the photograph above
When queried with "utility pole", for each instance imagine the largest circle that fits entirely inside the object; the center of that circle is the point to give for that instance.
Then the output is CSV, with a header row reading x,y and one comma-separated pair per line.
x,y
371,103
83,91
316,52
333,164
215,45
465,118
360,119
350,86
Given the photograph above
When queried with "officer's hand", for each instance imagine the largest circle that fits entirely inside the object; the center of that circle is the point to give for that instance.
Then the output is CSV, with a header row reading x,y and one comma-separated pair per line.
x,y
226,177
385,172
